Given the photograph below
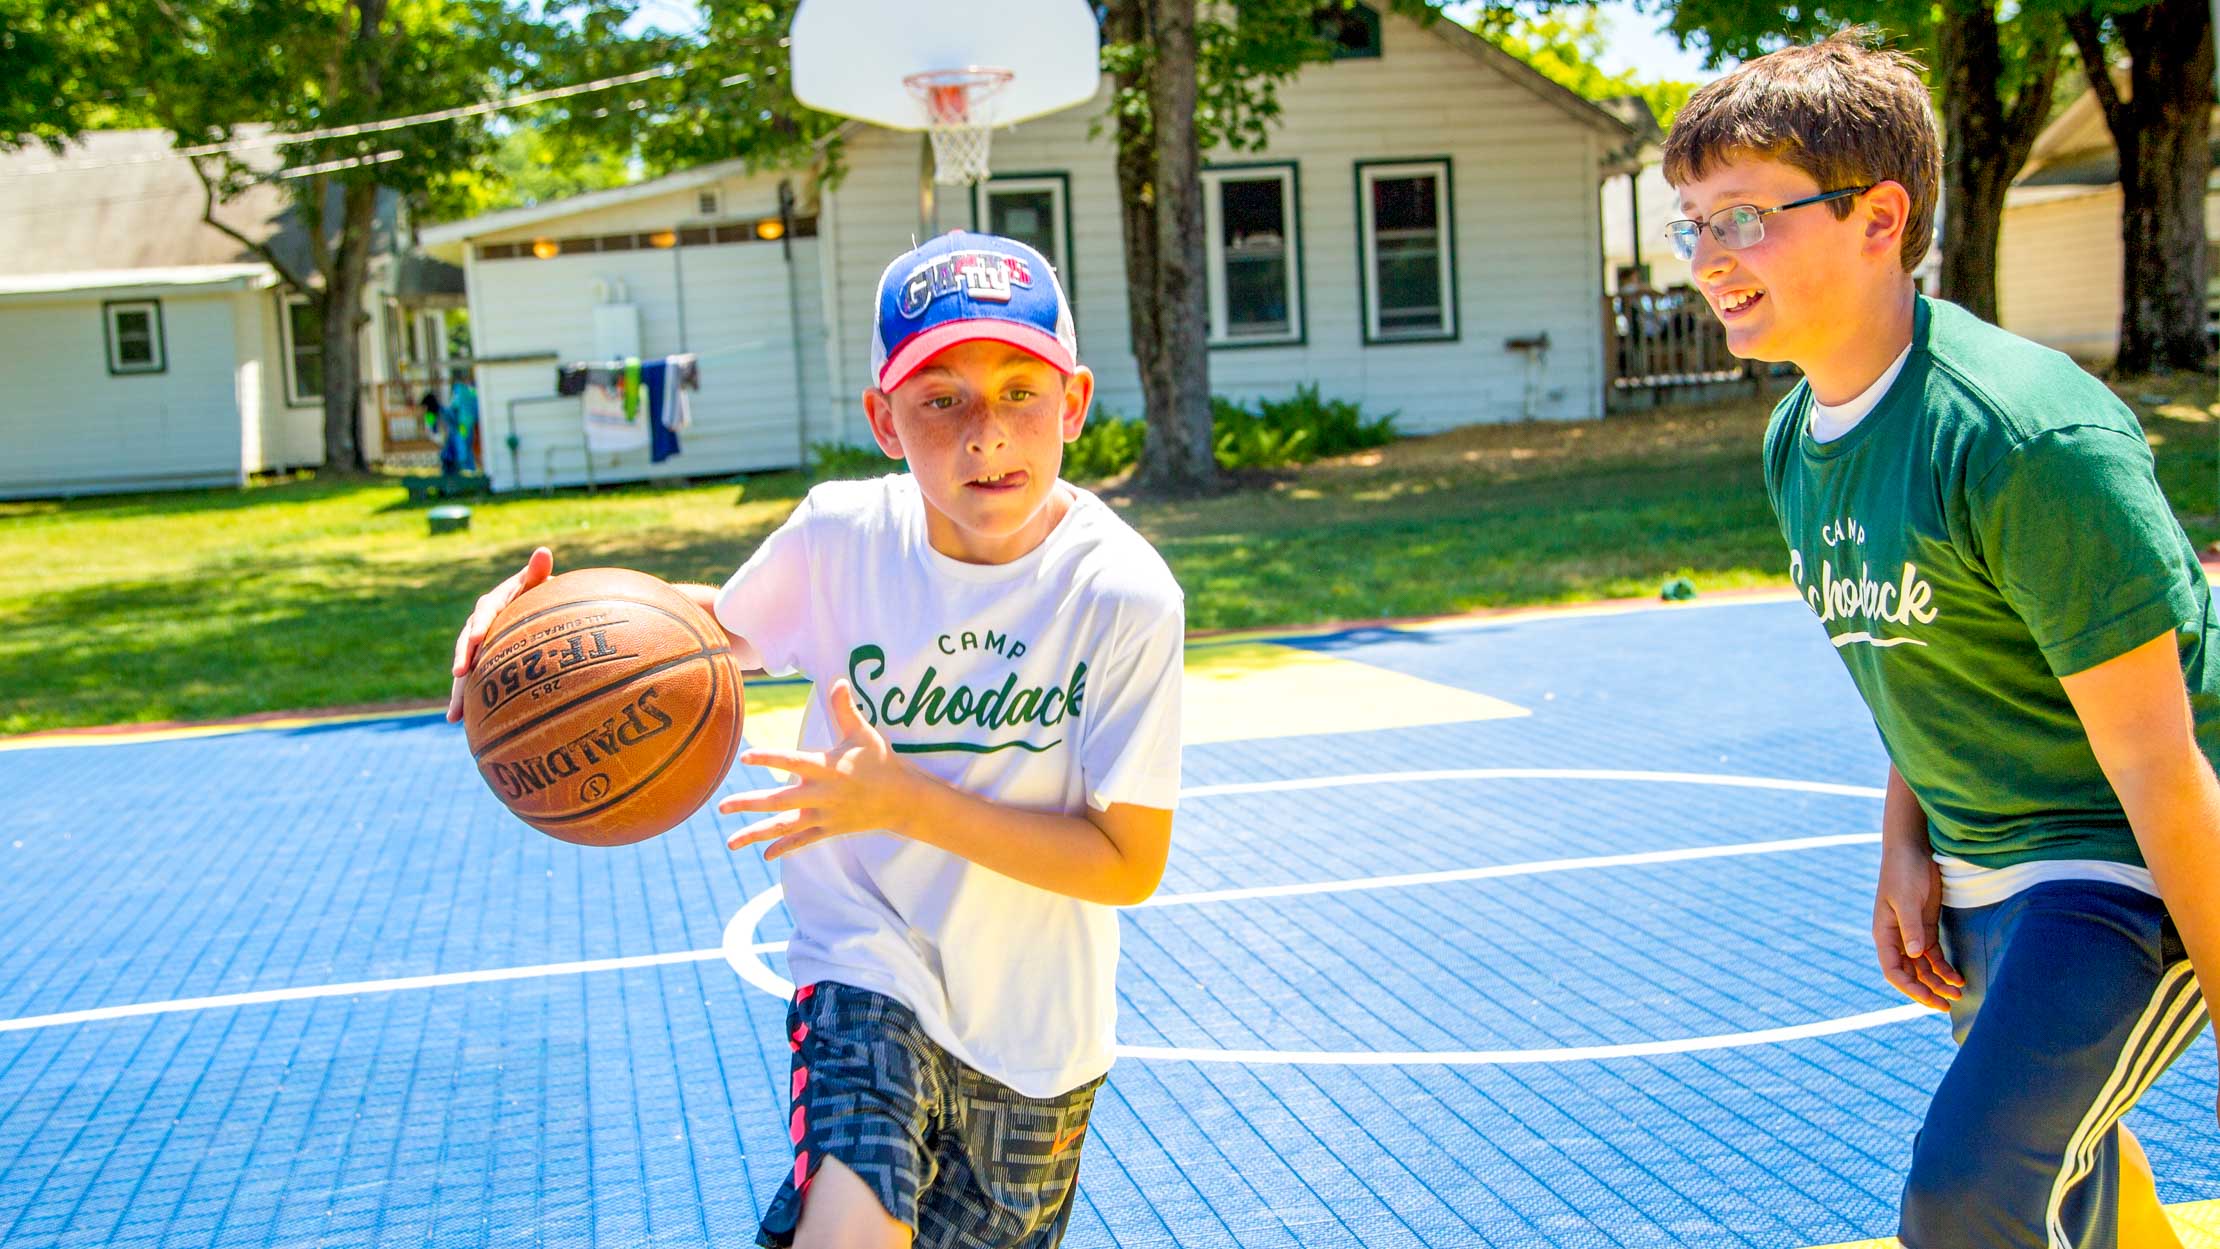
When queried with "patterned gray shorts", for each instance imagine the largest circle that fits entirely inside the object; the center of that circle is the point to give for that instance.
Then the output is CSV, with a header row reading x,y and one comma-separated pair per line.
x,y
963,1160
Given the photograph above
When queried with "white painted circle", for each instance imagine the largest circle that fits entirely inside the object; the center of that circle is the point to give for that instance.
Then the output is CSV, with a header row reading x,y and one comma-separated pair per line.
x,y
745,954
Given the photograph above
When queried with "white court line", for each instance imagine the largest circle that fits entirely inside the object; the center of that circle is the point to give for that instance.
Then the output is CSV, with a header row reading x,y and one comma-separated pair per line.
x,y
745,955
352,988
1509,1058
1534,868
1531,774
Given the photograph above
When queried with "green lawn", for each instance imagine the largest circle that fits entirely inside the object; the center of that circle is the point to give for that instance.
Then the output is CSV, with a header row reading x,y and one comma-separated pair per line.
x,y
306,595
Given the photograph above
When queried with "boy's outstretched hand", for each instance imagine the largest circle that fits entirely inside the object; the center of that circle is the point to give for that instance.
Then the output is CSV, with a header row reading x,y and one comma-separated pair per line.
x,y
1905,908
858,786
535,570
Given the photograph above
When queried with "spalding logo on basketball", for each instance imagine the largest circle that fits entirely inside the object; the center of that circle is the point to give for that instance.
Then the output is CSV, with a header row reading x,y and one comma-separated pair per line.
x,y
604,708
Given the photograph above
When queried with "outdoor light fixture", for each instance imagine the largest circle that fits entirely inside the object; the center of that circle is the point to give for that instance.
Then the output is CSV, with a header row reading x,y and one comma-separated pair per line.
x,y
770,229
663,238
546,249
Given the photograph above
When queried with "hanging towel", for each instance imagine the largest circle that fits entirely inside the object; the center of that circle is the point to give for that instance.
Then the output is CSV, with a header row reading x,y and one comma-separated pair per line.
x,y
666,382
609,428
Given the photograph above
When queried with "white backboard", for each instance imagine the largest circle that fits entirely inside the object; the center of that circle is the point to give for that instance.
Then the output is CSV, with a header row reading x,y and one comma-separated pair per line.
x,y
850,56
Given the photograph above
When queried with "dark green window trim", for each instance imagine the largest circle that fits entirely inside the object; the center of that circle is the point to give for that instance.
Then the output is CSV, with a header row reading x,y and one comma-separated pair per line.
x,y
286,302
1301,336
158,340
1067,264
1365,256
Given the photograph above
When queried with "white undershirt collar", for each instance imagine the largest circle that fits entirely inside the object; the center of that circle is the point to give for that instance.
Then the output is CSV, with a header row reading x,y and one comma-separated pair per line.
x,y
1832,421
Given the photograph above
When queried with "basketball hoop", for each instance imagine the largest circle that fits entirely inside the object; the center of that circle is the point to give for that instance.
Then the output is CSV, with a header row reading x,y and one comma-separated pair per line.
x,y
957,119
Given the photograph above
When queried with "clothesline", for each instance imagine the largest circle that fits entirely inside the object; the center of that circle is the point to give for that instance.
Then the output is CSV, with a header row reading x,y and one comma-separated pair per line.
x,y
633,403
698,356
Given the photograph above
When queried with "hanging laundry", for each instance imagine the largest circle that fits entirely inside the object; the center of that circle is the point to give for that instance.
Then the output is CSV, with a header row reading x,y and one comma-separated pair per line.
x,y
666,382
612,425
633,403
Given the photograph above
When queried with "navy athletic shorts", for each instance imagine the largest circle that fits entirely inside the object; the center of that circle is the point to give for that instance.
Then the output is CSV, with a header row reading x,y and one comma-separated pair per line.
x,y
2078,994
965,1161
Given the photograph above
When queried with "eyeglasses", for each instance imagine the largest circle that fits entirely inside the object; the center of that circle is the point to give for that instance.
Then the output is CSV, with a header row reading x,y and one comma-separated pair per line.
x,y
1738,226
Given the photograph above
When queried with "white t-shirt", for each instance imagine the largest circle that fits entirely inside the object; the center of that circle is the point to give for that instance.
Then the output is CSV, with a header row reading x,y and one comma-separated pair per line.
x,y
1830,423
1051,682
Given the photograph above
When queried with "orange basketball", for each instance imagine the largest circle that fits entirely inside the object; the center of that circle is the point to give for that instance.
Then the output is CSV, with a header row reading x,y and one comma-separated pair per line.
x,y
604,707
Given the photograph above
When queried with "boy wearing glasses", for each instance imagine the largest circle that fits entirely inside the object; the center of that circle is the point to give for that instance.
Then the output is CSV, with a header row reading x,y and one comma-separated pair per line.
x,y
1977,524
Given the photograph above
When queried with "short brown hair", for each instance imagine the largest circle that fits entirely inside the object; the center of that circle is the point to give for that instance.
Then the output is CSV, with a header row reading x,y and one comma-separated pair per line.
x,y
1846,110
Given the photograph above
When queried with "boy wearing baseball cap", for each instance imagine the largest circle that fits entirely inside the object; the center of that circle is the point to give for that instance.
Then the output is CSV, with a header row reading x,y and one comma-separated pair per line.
x,y
987,770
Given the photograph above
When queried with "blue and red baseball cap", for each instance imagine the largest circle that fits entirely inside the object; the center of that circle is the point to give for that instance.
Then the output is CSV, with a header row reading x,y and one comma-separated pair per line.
x,y
962,287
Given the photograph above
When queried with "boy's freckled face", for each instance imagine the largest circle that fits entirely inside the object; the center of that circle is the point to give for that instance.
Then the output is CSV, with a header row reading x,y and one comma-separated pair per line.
x,y
1779,298
983,427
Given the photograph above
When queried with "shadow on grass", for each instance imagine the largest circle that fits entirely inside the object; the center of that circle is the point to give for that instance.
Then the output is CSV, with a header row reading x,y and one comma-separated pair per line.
x,y
239,636
1529,543
186,502
767,487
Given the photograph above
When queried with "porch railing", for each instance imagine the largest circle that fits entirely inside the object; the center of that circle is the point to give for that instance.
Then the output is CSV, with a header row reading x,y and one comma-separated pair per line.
x,y
1667,341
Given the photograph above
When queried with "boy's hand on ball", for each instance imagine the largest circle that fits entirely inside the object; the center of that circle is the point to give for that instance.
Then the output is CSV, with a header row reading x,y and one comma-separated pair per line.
x,y
860,785
535,570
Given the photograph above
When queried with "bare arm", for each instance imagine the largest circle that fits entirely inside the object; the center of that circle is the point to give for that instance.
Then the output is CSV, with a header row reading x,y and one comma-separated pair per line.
x,y
705,597
2135,709
1907,902
1114,857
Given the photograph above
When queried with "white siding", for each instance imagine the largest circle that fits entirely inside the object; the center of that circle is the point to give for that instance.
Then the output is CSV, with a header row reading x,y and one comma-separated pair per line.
x,y
292,434
68,427
735,313
2058,271
247,373
1523,189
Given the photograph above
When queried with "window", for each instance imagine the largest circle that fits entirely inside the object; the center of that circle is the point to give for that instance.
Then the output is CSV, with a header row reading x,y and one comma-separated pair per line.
x,y
1409,267
1251,256
1033,209
303,331
705,203
134,331
1351,30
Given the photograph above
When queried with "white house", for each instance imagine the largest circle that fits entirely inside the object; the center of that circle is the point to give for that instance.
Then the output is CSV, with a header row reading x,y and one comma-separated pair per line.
x,y
2059,258
149,350
1427,204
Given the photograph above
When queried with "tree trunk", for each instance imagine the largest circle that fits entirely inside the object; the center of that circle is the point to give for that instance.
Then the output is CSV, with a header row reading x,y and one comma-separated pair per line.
x,y
2163,130
342,322
1126,22
1985,142
1160,193
1182,461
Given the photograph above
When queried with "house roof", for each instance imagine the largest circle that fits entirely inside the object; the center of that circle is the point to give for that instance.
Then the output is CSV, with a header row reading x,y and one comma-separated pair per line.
x,y
2076,148
1618,123
114,201
122,205
1564,99
149,281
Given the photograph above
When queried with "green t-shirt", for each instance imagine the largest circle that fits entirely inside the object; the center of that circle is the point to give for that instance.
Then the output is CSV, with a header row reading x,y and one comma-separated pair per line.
x,y
1992,524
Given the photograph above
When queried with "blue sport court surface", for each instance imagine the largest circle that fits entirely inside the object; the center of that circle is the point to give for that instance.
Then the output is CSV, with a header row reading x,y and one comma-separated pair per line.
x,y
1540,930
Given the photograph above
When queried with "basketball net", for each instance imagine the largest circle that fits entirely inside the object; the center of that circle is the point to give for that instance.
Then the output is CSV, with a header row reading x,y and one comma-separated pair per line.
x,y
957,119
